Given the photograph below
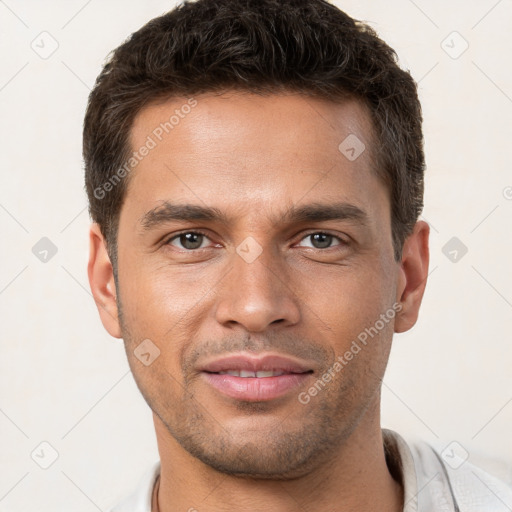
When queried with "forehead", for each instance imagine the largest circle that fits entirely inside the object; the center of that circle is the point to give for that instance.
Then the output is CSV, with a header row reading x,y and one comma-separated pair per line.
x,y
246,151
247,119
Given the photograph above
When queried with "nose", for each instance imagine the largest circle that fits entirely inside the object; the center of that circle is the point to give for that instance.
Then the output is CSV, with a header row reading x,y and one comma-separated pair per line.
x,y
256,294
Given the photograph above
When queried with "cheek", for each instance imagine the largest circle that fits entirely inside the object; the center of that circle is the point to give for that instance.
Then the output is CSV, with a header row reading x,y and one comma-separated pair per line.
x,y
162,293
347,299
164,306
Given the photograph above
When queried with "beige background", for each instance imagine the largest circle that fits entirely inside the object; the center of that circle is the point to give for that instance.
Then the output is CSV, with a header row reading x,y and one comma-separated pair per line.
x,y
63,380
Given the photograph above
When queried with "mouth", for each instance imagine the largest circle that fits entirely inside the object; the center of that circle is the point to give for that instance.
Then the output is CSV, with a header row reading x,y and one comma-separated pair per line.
x,y
250,378
247,373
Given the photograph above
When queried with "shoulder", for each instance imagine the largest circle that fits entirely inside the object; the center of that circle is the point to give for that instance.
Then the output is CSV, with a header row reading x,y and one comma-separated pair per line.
x,y
444,472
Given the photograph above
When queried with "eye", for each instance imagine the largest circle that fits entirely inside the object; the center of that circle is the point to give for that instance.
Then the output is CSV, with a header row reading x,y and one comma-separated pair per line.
x,y
321,240
189,240
193,240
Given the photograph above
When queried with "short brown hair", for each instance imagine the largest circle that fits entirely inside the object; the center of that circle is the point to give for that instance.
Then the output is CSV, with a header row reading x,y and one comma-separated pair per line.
x,y
261,46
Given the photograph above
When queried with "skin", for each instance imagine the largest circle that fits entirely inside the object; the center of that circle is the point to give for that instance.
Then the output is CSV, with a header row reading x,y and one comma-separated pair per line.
x,y
254,157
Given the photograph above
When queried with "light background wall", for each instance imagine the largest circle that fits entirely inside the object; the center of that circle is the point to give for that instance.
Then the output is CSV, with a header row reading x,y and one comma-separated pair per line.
x,y
63,380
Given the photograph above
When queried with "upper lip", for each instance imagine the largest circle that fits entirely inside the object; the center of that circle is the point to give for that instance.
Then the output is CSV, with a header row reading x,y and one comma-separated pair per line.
x,y
255,363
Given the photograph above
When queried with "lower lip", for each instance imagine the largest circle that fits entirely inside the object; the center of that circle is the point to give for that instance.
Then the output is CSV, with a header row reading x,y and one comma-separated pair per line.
x,y
256,389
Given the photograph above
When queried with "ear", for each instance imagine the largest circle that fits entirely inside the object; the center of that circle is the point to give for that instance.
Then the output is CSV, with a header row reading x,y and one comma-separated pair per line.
x,y
413,275
101,281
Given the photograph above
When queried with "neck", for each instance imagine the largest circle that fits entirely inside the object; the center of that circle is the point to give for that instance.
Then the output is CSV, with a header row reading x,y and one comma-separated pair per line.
x,y
354,476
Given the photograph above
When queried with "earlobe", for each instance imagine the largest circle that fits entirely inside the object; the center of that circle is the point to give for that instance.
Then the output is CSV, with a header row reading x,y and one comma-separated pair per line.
x,y
101,281
413,275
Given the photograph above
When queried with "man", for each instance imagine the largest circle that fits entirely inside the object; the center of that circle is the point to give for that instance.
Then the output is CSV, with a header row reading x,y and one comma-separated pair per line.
x,y
255,177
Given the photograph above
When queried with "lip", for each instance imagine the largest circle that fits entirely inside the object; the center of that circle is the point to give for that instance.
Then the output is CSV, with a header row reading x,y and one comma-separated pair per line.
x,y
248,362
256,389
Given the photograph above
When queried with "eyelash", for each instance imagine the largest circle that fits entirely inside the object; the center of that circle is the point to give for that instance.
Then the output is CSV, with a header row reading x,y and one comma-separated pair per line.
x,y
199,232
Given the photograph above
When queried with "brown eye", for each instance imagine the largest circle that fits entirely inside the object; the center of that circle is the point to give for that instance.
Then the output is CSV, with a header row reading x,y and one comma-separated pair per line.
x,y
189,240
322,240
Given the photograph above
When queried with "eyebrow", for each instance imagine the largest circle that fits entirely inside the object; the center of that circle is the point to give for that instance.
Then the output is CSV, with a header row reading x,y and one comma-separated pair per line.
x,y
313,212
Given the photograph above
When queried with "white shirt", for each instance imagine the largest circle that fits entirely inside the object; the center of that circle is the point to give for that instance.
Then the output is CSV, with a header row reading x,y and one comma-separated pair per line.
x,y
430,483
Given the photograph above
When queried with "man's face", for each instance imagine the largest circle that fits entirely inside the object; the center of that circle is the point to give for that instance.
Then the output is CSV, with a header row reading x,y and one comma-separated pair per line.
x,y
257,279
